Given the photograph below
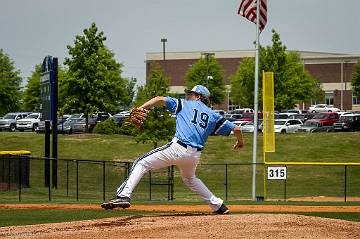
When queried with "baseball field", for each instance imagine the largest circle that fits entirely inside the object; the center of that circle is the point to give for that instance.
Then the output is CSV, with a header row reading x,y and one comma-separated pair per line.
x,y
314,207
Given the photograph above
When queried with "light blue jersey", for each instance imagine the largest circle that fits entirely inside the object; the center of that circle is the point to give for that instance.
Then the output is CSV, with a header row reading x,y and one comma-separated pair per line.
x,y
195,121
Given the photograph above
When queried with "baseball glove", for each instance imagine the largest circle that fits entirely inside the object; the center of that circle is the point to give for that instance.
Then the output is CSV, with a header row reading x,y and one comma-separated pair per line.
x,y
138,116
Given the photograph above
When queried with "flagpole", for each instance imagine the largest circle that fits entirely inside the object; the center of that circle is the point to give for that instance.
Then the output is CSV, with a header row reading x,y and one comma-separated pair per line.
x,y
256,101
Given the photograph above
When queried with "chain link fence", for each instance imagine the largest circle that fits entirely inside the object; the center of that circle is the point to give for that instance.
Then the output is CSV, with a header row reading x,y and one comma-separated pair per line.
x,y
22,178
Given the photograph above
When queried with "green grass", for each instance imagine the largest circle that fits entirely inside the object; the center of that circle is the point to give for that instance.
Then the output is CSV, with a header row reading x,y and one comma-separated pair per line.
x,y
332,147
18,217
302,180
87,147
348,216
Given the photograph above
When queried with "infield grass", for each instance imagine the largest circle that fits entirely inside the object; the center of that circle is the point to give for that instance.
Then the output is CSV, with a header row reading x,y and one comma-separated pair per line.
x,y
16,217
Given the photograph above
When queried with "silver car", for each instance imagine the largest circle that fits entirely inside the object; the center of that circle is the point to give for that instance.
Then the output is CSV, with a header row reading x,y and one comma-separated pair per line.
x,y
8,122
287,126
314,126
249,127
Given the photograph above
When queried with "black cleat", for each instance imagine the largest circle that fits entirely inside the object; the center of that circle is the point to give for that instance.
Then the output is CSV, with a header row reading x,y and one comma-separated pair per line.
x,y
223,210
123,202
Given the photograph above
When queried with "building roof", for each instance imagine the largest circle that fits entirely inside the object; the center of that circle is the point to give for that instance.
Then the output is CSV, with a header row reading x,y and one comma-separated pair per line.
x,y
304,55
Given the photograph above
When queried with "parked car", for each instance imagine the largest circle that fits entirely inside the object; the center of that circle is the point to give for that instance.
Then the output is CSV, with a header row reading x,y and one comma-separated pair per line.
x,y
286,125
123,113
344,113
313,126
119,119
233,117
326,118
302,117
242,111
8,122
67,126
323,108
284,115
298,111
247,117
79,127
31,122
102,116
348,122
249,127
76,116
41,125
280,116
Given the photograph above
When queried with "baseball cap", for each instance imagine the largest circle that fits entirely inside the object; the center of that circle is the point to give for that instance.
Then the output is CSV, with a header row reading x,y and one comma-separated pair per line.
x,y
201,90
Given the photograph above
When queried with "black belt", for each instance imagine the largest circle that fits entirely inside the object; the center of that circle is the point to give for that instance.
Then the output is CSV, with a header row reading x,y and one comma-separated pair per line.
x,y
185,145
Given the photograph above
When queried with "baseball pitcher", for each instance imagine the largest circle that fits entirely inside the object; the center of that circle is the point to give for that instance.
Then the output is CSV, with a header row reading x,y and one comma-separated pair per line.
x,y
195,121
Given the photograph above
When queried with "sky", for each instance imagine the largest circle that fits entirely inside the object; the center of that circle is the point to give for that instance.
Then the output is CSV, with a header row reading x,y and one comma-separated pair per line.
x,y
32,29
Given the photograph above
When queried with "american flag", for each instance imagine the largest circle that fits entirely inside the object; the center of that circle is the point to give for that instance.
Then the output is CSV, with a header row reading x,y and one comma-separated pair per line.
x,y
247,9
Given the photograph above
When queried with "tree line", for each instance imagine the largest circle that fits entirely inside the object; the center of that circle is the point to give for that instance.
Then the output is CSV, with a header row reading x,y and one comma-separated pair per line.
x,y
90,79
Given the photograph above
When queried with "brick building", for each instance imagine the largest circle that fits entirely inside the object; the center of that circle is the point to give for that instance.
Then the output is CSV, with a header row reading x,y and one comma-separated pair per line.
x,y
332,70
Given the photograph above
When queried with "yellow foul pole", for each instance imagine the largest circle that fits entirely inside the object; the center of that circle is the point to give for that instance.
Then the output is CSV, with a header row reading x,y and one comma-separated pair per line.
x,y
268,118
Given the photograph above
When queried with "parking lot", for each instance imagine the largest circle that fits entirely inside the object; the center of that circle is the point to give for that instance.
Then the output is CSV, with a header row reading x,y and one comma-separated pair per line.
x,y
67,124
318,118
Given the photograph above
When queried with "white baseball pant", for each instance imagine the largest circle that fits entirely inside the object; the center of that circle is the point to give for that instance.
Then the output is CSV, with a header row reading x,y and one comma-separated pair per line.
x,y
186,159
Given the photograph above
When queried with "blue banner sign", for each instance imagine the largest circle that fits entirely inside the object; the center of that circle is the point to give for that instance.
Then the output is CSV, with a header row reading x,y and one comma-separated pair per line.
x,y
47,79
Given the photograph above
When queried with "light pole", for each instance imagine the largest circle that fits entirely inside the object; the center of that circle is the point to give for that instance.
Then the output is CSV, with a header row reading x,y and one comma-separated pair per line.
x,y
345,69
164,40
228,91
207,54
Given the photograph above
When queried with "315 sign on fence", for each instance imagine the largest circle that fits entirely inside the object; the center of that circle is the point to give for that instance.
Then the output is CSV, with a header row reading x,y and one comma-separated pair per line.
x,y
276,173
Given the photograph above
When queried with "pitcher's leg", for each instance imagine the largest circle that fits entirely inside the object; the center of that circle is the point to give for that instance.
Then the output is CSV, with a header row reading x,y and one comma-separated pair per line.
x,y
196,185
155,159
128,186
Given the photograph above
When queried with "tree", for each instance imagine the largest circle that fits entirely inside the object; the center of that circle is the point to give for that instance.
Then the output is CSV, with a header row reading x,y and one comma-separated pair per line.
x,y
293,84
160,125
94,81
62,93
242,89
32,99
157,84
356,81
196,75
10,80
130,93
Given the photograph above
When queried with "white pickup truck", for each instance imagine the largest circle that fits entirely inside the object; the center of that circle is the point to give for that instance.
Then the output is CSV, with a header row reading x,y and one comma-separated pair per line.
x,y
322,108
31,122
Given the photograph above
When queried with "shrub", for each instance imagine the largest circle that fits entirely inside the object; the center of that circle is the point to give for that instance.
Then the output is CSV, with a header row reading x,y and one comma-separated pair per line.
x,y
106,127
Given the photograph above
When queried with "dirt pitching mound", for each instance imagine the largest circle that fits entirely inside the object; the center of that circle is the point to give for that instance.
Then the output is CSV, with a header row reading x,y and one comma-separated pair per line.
x,y
192,226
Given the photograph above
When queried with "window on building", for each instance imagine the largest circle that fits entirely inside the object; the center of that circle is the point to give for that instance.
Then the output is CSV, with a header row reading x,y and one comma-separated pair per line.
x,y
356,100
329,98
315,101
